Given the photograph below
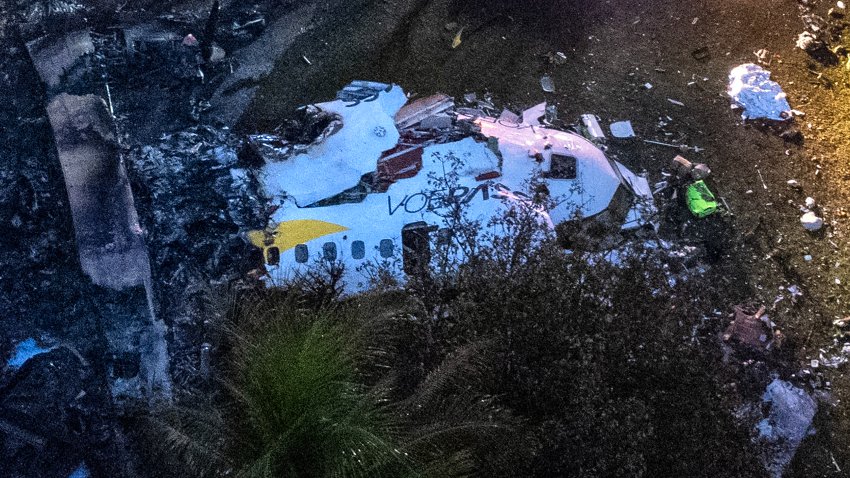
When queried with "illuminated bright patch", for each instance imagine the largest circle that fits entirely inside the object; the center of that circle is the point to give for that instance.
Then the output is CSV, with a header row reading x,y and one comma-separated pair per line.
x,y
289,234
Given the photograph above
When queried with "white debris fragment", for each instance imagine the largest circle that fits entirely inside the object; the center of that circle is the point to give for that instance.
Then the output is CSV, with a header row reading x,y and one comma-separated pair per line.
x,y
622,129
810,202
840,4
547,84
751,88
793,183
788,422
807,258
807,41
647,86
675,102
811,221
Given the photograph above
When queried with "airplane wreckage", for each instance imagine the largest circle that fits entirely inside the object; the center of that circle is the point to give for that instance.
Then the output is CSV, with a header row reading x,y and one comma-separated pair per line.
x,y
374,185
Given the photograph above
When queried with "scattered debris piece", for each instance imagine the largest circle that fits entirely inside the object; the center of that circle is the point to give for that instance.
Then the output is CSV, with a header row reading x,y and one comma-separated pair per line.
x,y
547,84
811,221
622,129
700,199
55,56
591,129
752,89
786,424
556,58
675,102
508,116
681,147
306,60
750,331
682,166
816,48
82,471
726,205
810,202
700,171
24,351
647,86
423,108
794,184
761,178
551,114
457,38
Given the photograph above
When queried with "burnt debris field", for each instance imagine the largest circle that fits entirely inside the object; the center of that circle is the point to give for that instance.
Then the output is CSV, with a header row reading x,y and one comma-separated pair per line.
x,y
424,238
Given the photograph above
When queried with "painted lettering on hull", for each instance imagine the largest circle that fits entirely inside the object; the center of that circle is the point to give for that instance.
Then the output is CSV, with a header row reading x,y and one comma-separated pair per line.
x,y
435,199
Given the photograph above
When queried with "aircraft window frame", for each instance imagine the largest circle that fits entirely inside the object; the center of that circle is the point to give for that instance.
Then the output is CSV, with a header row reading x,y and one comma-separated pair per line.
x,y
386,248
358,250
563,171
329,251
273,256
302,253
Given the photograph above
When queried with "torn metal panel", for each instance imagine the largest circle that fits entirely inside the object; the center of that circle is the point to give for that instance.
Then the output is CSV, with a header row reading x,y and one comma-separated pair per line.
x,y
402,162
421,109
109,238
56,56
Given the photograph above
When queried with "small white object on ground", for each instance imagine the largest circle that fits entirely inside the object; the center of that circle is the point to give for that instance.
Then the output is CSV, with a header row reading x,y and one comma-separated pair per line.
x,y
648,86
622,129
752,89
675,102
811,221
810,202
807,258
547,84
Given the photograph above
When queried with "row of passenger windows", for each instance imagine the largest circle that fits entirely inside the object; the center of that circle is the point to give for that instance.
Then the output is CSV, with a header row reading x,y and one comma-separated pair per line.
x,y
329,251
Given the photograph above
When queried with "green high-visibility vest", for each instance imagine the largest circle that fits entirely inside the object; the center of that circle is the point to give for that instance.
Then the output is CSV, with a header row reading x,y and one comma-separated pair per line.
x,y
700,200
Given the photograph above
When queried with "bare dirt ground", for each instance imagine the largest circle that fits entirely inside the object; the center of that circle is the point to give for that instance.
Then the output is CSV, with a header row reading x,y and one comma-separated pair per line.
x,y
613,48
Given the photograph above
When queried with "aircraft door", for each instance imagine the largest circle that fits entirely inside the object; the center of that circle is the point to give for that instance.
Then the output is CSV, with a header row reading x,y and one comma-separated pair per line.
x,y
416,247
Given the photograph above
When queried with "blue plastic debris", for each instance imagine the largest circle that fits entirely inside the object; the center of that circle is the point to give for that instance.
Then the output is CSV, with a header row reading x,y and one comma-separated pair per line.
x,y
82,471
24,351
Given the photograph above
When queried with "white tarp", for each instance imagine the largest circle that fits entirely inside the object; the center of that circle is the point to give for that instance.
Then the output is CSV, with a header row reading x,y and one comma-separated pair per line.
x,y
752,89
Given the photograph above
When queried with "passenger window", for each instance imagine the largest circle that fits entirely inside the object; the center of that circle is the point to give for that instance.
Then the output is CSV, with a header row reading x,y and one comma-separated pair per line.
x,y
358,250
386,248
562,167
329,251
273,256
301,253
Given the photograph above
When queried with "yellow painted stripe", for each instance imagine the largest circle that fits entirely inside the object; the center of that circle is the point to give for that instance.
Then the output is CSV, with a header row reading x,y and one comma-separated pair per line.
x,y
289,234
